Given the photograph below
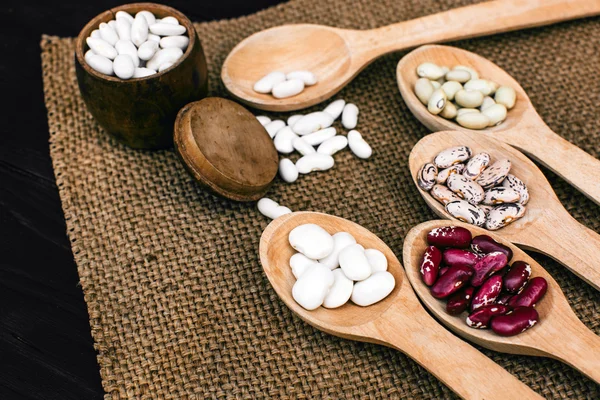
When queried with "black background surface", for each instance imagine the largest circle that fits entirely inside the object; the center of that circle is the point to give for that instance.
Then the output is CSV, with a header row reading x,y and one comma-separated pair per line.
x,y
46,350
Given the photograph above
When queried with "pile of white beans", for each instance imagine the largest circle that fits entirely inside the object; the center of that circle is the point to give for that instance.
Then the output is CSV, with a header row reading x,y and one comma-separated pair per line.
x,y
137,47
330,270
282,85
473,105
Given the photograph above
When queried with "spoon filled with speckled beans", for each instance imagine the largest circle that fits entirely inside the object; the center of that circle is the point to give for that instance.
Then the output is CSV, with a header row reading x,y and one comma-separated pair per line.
x,y
542,224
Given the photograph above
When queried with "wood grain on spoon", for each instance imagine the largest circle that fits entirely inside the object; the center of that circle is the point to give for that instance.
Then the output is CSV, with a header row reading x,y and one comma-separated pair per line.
x,y
546,226
559,333
336,56
523,127
398,321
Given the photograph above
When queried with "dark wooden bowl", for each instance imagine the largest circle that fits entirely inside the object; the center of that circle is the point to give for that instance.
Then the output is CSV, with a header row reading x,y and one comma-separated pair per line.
x,y
141,112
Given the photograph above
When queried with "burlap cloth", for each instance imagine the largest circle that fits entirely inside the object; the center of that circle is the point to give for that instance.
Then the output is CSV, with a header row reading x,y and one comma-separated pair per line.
x,y
179,306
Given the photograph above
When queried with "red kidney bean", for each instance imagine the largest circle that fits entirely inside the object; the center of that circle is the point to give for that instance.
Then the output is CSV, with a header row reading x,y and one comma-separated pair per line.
x,y
487,293
449,236
451,282
430,264
443,270
454,257
517,276
485,244
504,298
531,294
459,301
481,317
521,319
486,266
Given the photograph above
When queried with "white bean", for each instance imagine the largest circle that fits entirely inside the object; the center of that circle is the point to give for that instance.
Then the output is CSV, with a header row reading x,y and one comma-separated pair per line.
x,y
288,88
288,170
436,85
480,85
423,90
147,50
312,241
164,66
335,108
266,83
458,75
95,34
307,77
313,285
108,34
271,209
284,140
449,111
302,147
462,111
124,15
496,113
314,162
319,137
139,30
293,119
430,71
475,120
340,291
127,47
163,29
333,145
487,102
450,88
153,37
101,48
358,145
100,64
474,74
143,72
504,95
87,55
312,122
341,240
437,101
374,289
468,98
274,126
263,120
350,116
300,263
123,66
169,20
164,56
354,263
124,28
175,41
377,260
150,18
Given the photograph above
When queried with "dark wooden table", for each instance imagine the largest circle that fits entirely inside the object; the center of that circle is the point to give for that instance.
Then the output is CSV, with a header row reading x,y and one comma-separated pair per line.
x,y
46,350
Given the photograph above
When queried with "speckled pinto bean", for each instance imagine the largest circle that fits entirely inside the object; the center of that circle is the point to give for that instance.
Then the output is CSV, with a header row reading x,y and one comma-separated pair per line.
x,y
451,282
454,257
459,301
480,318
484,244
449,236
521,319
504,298
430,265
488,265
487,293
531,294
517,276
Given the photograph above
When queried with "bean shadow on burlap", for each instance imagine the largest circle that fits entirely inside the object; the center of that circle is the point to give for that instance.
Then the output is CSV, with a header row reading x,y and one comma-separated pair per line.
x,y
179,305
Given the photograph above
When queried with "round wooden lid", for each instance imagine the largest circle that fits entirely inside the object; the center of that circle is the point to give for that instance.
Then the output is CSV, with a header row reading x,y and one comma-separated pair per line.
x,y
225,148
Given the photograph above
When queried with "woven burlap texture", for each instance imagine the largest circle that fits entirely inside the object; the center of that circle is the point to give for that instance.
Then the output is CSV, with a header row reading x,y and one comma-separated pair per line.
x,y
178,303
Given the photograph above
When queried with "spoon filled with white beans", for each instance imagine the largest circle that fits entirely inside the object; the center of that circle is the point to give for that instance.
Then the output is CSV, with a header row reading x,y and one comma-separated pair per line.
x,y
508,116
540,223
398,321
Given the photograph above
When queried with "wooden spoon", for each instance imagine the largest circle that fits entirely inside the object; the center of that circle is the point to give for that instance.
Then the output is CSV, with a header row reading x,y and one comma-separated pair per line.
x,y
546,226
559,333
398,321
523,127
336,56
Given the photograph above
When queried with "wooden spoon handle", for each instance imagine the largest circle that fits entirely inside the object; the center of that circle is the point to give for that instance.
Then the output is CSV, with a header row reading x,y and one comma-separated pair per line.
x,y
468,372
472,21
562,157
558,235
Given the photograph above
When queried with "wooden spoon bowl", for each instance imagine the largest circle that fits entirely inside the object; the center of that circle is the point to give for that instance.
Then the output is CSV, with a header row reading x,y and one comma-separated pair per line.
x,y
523,127
140,112
559,333
546,226
398,321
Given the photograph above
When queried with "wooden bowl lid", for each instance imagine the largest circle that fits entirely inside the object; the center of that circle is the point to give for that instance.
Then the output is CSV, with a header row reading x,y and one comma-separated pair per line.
x,y
225,148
